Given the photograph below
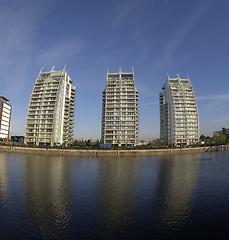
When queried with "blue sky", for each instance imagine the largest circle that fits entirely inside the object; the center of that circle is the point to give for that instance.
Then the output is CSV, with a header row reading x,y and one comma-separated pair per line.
x,y
156,37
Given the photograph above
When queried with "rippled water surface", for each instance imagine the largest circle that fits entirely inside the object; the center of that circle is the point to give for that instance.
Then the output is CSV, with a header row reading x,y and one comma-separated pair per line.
x,y
174,197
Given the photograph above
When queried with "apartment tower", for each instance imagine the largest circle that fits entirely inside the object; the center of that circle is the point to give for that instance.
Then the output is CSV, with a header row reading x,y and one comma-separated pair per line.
x,y
5,116
179,119
120,123
50,117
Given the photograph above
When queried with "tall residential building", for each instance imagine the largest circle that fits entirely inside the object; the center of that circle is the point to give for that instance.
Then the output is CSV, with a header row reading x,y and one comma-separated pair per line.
x,y
5,116
179,119
120,123
50,117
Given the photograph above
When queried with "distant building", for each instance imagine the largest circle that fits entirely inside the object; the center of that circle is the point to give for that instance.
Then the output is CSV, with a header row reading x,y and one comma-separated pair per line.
x,y
5,117
18,139
179,119
50,117
223,131
120,123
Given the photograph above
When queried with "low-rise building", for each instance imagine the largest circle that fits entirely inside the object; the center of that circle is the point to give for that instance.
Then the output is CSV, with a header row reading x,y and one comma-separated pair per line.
x,y
223,131
5,117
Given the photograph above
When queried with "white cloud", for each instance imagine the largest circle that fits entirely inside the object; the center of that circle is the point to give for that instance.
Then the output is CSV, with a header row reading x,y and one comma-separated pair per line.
x,y
181,33
220,120
105,59
213,101
224,97
61,50
18,26
124,11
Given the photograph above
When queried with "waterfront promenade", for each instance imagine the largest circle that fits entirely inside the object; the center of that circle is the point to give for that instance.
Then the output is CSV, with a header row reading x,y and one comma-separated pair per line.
x,y
110,152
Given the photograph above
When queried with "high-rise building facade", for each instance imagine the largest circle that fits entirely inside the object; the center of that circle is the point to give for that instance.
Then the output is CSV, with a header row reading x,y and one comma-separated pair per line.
x,y
50,117
120,110
5,116
179,119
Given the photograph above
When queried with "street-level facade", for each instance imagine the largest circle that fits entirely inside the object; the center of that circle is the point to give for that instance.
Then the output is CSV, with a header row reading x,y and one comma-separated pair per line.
x,y
179,118
5,117
120,110
50,117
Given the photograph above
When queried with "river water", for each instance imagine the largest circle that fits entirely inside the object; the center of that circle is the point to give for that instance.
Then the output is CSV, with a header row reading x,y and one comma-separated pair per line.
x,y
173,197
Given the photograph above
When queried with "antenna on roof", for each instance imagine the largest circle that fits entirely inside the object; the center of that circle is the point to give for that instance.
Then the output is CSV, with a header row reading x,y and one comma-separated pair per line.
x,y
52,69
64,67
120,69
178,75
168,75
40,72
107,70
188,77
132,69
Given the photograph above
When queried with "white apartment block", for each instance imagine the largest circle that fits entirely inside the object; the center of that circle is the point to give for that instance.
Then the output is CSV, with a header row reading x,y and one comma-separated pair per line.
x,y
179,119
120,110
50,117
5,116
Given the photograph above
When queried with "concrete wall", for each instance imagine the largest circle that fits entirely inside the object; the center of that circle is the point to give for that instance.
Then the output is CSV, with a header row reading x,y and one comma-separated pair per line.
x,y
112,153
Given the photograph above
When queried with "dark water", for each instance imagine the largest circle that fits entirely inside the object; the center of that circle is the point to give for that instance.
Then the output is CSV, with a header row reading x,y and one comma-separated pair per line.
x,y
178,197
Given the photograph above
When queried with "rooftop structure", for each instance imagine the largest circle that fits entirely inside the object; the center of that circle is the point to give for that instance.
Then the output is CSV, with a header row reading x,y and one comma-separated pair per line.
x,y
50,117
120,123
179,119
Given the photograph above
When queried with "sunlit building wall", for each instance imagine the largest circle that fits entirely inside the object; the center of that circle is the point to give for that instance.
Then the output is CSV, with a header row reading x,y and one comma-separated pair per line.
x,y
50,117
5,117
120,110
179,119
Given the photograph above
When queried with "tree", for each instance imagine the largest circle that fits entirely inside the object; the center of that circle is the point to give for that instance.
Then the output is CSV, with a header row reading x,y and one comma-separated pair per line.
x,y
220,139
216,138
89,142
157,142
97,143
223,138
202,137
79,143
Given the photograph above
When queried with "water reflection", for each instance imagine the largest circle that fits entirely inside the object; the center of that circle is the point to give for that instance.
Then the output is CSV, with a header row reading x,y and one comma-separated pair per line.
x,y
4,185
108,198
46,190
118,179
175,191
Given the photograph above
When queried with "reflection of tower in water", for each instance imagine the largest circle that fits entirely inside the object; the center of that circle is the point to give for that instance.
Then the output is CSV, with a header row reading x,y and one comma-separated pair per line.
x,y
116,190
46,192
4,187
176,189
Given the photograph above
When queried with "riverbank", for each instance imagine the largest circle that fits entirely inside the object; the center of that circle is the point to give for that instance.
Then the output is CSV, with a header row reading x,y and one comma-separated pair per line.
x,y
111,153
